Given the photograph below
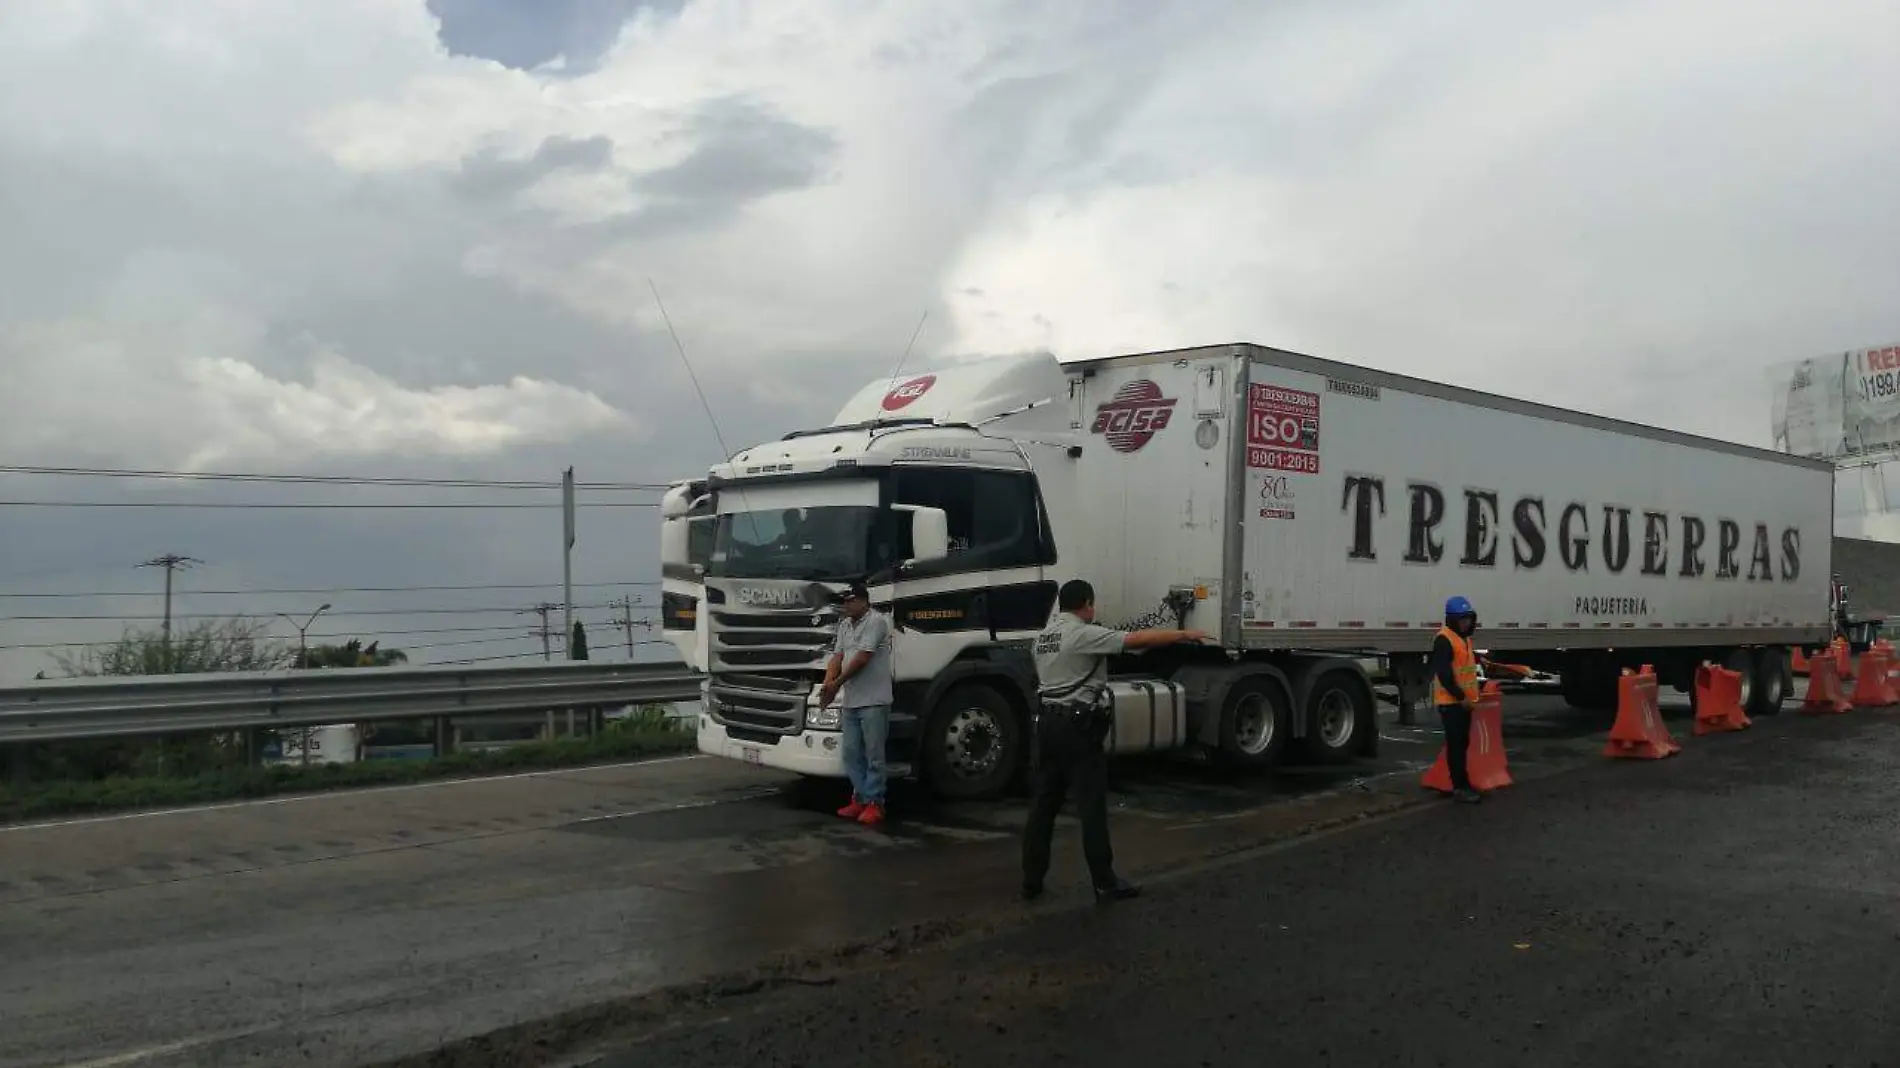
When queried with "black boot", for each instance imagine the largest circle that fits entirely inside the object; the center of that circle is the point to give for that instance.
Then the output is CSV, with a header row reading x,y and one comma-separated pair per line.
x,y
1119,890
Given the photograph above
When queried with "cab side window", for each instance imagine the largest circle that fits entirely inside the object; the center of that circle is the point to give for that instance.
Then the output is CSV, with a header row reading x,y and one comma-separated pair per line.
x,y
995,517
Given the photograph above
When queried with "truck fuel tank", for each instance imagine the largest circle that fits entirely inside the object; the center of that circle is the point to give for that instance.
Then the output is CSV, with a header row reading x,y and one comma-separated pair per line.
x,y
1149,715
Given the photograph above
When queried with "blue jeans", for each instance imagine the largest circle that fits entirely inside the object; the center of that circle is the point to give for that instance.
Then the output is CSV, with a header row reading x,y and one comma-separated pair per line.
x,y
866,730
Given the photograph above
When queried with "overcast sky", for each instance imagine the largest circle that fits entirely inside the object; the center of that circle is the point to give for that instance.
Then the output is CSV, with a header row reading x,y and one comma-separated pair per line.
x,y
413,237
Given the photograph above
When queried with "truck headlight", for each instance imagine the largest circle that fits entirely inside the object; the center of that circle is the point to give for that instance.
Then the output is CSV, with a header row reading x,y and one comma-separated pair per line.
x,y
824,719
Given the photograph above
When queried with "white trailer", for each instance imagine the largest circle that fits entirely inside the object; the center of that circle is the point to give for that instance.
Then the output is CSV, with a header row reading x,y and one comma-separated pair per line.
x,y
1309,513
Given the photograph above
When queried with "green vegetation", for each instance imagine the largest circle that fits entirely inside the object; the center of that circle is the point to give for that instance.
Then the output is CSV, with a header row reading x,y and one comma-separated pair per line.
x,y
646,734
237,644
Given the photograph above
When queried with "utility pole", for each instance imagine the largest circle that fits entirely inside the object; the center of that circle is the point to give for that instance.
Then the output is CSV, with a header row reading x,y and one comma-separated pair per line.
x,y
625,619
170,562
545,631
567,556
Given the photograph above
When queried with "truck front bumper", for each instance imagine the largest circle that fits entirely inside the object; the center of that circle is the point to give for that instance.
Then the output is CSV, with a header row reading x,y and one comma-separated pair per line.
x,y
811,752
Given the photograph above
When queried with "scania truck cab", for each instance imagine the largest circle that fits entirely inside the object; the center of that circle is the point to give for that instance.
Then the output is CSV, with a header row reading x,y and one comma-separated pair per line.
x,y
930,489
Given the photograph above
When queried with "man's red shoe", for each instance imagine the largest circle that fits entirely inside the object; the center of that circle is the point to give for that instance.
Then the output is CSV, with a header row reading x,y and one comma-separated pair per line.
x,y
853,810
872,815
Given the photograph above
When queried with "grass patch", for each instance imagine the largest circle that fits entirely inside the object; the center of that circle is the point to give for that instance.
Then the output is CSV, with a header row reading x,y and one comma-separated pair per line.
x,y
625,740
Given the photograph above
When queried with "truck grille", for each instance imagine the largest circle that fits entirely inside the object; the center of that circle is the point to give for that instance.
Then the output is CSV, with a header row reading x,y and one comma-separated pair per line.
x,y
764,663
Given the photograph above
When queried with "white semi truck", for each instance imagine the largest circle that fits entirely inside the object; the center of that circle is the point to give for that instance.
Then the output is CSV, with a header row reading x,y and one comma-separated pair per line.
x,y
1310,514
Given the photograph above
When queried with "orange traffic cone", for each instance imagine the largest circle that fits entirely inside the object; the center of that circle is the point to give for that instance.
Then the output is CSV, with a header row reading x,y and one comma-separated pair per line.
x,y
1485,762
1798,661
1718,701
1639,732
1824,689
1872,687
1843,658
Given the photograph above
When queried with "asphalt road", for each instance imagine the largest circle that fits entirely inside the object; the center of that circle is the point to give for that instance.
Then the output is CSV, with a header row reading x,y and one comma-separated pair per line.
x,y
1733,905
346,929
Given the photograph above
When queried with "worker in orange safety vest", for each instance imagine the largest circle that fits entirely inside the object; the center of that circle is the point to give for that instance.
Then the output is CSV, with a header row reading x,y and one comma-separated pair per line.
x,y
1454,673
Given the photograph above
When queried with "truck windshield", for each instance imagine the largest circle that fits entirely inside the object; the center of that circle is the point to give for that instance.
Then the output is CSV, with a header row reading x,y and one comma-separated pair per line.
x,y
818,531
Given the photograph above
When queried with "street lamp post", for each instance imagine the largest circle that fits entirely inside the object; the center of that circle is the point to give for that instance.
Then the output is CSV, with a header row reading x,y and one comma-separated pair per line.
x,y
303,658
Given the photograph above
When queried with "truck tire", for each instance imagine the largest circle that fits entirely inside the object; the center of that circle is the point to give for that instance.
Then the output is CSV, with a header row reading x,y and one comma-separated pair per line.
x,y
973,744
1774,678
1590,689
1744,663
1256,720
1338,711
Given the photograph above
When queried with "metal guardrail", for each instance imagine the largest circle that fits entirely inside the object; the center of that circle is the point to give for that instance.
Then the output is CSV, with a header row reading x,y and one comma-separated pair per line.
x,y
69,709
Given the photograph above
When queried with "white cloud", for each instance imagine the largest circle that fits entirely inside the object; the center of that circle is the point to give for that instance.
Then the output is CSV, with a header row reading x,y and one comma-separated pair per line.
x,y
192,397
1630,212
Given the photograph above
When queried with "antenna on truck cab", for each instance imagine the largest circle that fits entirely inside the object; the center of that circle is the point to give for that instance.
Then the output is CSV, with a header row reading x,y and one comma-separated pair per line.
x,y
907,347
679,347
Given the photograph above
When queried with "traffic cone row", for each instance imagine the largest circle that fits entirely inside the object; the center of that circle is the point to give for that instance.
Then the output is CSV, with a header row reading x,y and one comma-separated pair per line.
x,y
1639,732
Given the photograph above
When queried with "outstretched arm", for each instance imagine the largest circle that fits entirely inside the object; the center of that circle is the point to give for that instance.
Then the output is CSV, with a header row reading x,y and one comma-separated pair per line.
x,y
1156,637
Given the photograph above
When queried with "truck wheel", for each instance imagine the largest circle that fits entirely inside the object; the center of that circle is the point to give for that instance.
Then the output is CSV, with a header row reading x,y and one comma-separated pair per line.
x,y
1255,722
1338,713
1590,690
1743,662
972,746
1774,677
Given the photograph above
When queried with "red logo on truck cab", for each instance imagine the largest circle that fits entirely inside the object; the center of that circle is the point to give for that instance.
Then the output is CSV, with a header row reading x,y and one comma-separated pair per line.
x,y
1133,415
909,391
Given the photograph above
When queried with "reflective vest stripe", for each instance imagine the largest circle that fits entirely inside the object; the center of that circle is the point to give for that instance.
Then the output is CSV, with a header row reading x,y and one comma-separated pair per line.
x,y
1464,668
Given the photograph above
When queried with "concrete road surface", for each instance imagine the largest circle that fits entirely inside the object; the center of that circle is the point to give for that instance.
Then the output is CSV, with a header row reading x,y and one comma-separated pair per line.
x,y
556,907
1735,905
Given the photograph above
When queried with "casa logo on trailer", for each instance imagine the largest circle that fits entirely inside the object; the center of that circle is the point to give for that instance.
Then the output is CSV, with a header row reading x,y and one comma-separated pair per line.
x,y
903,395
1133,416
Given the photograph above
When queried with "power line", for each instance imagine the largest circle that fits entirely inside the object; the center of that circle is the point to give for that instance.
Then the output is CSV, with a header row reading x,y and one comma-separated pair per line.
x,y
514,656
333,589
227,615
356,506
486,659
320,480
372,634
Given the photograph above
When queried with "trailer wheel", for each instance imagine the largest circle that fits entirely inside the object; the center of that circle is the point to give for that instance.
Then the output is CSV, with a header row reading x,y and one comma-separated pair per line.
x,y
972,746
1743,663
1255,722
1339,711
1773,678
1590,689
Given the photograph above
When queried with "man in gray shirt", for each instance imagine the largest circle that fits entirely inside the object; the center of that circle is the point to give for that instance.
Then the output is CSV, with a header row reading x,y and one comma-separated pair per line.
x,y
1071,657
859,677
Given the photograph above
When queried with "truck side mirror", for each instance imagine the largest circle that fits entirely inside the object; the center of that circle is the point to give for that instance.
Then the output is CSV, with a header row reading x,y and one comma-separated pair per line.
x,y
675,542
929,533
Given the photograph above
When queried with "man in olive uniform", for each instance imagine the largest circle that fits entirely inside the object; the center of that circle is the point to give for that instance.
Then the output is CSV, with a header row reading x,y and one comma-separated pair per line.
x,y
1071,658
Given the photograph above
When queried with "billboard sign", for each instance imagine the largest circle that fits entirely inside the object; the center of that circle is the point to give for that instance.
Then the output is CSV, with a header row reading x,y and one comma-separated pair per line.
x,y
1835,406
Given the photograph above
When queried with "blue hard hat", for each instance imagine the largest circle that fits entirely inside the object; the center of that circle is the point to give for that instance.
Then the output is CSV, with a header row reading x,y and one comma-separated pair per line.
x,y
1458,606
